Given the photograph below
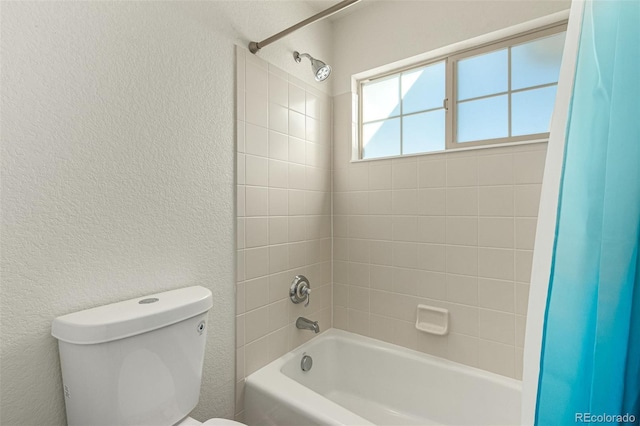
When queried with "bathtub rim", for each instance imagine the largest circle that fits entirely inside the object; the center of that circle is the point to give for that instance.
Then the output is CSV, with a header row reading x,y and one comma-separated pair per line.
x,y
272,381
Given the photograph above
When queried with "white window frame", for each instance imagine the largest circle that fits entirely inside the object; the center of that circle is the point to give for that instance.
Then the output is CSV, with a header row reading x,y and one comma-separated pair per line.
x,y
451,58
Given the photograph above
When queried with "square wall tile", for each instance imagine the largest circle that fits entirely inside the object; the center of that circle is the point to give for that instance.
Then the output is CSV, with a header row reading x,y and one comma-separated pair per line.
x,y
405,280
524,260
296,125
496,263
381,252
432,174
525,233
297,178
380,176
496,232
496,294
463,349
278,146
312,130
359,298
462,260
256,201
496,357
463,319
359,250
432,344
278,176
522,298
358,177
432,202
462,171
495,170
462,289
297,98
380,202
297,150
496,201
256,293
529,166
256,232
432,257
278,90
405,228
405,255
432,229
496,326
462,201
257,80
404,202
527,200
404,174
256,140
358,322
278,230
462,230
278,202
433,285
256,324
382,277
256,262
278,118
257,170
257,110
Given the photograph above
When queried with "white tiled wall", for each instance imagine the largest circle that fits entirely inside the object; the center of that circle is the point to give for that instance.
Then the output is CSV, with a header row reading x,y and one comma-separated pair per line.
x,y
283,211
453,230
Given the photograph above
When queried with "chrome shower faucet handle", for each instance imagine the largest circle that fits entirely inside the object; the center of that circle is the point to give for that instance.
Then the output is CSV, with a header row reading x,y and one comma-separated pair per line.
x,y
300,290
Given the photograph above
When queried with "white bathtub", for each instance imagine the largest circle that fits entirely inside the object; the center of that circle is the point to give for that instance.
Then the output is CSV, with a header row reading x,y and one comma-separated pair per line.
x,y
356,380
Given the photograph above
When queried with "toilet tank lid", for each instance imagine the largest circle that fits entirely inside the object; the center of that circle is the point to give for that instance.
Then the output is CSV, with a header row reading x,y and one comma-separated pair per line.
x,y
131,317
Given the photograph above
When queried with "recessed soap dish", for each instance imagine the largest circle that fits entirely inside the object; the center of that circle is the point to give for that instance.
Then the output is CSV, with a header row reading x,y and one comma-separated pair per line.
x,y
433,320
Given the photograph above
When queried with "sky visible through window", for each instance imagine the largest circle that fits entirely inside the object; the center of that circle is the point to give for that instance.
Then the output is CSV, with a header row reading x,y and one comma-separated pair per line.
x,y
504,93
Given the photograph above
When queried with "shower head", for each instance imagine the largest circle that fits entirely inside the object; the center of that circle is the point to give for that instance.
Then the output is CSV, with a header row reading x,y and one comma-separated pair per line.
x,y
320,69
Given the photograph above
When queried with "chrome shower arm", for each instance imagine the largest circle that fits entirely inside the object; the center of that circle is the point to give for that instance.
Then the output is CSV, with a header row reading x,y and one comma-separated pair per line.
x,y
298,56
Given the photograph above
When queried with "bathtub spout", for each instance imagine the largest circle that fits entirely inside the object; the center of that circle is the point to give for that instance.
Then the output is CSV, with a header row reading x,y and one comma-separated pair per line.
x,y
305,324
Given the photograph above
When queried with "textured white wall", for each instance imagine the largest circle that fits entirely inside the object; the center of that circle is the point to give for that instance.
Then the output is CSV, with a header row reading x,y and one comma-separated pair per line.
x,y
389,31
118,171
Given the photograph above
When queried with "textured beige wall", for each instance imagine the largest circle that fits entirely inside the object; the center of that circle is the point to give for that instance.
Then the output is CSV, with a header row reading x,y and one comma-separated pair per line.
x,y
118,132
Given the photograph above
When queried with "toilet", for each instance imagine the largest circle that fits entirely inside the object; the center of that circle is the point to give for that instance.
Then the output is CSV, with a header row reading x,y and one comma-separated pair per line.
x,y
137,362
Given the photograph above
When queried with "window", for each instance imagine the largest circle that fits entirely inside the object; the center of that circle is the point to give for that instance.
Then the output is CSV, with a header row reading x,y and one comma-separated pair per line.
x,y
498,93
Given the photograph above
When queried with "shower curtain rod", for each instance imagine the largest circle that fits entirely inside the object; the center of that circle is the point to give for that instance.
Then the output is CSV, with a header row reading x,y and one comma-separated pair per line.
x,y
255,46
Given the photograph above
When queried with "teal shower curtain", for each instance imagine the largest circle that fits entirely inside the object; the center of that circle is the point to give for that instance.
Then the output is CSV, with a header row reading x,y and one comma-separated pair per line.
x,y
590,361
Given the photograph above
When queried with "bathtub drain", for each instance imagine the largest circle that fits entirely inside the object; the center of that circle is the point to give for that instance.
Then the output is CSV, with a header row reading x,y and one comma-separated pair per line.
x,y
306,363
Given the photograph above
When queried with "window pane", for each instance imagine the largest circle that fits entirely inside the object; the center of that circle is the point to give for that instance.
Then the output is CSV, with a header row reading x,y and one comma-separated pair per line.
x,y
536,62
483,75
423,88
531,111
381,139
423,132
483,119
381,99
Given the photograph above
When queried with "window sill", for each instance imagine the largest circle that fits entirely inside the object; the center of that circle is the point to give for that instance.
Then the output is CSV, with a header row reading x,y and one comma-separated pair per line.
x,y
445,151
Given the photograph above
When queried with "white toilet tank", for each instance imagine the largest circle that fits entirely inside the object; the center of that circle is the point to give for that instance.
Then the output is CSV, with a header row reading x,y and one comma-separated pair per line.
x,y
137,362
